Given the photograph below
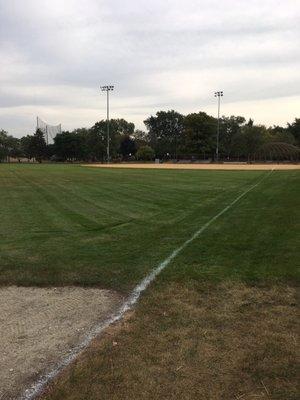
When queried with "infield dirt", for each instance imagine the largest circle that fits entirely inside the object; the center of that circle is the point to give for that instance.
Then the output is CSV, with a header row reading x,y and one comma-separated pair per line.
x,y
40,326
226,167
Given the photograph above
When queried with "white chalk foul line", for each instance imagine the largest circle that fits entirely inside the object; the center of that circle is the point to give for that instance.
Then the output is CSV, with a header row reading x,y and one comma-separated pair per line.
x,y
39,385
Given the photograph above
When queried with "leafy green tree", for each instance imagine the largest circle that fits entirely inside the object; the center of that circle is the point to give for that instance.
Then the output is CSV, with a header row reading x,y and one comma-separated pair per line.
x,y
294,129
280,134
145,153
200,135
97,141
170,134
4,145
69,146
165,132
39,146
122,127
247,142
10,146
127,146
15,149
27,146
140,137
229,128
34,146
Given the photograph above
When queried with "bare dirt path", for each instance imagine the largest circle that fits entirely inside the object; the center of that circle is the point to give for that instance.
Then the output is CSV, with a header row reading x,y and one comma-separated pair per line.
x,y
40,326
225,166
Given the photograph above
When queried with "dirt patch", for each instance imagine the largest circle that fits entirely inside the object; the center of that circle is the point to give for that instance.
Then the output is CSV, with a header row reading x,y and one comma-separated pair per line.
x,y
40,326
206,342
229,166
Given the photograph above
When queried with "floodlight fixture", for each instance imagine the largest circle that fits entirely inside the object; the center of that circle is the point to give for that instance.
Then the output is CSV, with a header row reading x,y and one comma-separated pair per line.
x,y
107,88
219,94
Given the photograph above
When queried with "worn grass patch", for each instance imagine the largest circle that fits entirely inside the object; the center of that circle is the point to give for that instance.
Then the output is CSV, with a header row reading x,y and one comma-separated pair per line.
x,y
226,341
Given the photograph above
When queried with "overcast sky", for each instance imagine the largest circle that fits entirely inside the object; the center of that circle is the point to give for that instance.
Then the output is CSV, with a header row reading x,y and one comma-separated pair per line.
x,y
159,54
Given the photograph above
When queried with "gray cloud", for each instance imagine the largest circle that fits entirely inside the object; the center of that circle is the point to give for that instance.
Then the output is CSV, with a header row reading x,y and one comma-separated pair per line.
x,y
170,54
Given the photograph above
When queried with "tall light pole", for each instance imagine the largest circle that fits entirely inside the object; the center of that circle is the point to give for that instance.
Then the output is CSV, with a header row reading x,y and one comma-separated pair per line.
x,y
107,89
218,95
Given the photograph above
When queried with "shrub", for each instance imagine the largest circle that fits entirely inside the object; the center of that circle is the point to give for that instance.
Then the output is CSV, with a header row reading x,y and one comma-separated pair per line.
x,y
145,153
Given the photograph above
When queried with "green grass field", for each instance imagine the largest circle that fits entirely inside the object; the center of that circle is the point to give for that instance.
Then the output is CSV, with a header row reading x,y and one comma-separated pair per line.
x,y
218,323
74,225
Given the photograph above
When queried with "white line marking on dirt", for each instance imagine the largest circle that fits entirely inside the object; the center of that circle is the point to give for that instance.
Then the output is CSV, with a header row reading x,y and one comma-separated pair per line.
x,y
39,385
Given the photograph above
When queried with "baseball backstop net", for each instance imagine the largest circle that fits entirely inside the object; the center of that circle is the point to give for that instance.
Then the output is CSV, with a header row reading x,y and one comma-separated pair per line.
x,y
49,131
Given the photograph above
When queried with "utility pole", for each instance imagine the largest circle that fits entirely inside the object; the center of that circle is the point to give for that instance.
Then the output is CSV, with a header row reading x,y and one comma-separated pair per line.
x,y
107,89
218,95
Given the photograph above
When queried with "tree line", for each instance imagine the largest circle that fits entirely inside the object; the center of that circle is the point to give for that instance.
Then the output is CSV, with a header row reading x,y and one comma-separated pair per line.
x,y
169,135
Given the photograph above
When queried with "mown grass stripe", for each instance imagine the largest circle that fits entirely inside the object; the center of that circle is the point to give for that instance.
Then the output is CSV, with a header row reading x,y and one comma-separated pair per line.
x,y
132,299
